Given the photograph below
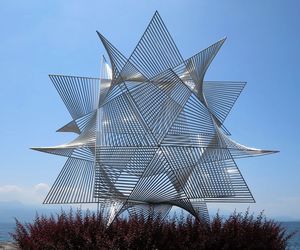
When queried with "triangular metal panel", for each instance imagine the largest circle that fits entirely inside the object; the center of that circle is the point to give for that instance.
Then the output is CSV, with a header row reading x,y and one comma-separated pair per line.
x,y
156,50
75,184
80,94
119,169
70,127
221,96
158,183
122,125
160,101
198,64
117,59
192,127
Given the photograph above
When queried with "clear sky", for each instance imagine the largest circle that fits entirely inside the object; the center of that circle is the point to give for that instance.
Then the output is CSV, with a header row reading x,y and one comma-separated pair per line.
x,y
262,47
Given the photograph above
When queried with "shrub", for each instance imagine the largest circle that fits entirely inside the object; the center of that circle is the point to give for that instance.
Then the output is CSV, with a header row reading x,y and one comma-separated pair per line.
x,y
89,231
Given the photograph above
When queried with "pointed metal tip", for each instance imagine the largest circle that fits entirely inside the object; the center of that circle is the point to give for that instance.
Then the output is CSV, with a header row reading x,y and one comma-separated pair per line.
x,y
103,39
100,36
272,151
98,33
61,130
34,148
39,148
156,15
223,39
266,152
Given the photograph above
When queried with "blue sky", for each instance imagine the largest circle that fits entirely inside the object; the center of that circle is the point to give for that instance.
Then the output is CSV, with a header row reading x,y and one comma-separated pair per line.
x,y
262,47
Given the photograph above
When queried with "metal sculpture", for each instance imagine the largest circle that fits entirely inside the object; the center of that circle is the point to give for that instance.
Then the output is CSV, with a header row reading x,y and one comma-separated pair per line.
x,y
151,132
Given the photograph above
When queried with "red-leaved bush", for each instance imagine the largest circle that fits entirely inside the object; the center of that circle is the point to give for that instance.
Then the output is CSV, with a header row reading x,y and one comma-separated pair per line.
x,y
89,231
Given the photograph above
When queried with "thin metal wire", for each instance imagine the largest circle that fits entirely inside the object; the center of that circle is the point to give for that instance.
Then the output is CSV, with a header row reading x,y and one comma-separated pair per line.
x,y
150,133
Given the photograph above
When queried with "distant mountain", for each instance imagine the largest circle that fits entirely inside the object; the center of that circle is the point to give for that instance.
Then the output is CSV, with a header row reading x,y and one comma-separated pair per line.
x,y
14,209
26,213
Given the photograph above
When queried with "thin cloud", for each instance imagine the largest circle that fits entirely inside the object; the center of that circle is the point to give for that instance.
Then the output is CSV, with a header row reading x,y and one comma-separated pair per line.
x,y
27,195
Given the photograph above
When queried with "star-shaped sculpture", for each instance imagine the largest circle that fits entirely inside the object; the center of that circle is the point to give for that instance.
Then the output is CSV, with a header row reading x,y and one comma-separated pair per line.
x,y
150,132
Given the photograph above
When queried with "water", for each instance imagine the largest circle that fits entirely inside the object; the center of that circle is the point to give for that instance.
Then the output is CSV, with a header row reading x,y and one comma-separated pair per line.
x,y
294,243
5,229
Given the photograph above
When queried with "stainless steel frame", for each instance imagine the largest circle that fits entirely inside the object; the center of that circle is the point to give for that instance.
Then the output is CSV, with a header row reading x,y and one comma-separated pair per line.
x,y
151,132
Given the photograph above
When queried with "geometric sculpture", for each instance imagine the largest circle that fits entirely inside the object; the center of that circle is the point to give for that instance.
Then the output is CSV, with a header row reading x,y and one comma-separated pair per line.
x,y
151,132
